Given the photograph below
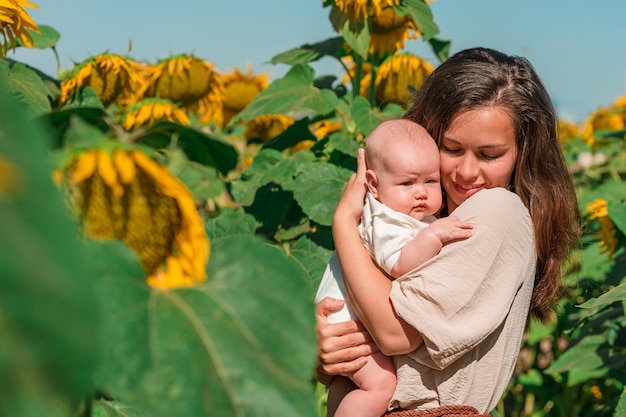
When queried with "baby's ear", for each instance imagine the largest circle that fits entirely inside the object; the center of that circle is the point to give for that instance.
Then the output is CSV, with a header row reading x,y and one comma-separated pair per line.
x,y
372,182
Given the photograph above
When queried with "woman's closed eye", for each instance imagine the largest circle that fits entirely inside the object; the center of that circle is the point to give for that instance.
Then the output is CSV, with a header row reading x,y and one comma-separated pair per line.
x,y
490,157
452,151
482,155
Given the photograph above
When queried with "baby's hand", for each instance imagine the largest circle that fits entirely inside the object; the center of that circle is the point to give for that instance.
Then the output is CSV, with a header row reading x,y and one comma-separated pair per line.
x,y
451,228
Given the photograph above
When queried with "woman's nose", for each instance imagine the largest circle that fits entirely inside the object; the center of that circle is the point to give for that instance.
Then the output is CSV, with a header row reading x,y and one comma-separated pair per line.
x,y
468,167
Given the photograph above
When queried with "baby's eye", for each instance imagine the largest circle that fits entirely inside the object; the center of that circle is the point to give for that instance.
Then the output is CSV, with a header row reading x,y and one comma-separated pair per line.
x,y
406,183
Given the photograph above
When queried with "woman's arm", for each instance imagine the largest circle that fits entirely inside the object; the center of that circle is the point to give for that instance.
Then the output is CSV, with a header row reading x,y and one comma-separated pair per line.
x,y
366,286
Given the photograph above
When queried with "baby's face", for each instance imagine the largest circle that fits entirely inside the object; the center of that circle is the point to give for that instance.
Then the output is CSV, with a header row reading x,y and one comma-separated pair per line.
x,y
410,182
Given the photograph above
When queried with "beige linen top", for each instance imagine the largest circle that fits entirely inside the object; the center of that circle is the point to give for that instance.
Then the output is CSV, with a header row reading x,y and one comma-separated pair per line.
x,y
470,304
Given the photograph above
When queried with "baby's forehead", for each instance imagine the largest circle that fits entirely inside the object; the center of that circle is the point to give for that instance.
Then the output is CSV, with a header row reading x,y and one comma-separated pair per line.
x,y
397,135
400,140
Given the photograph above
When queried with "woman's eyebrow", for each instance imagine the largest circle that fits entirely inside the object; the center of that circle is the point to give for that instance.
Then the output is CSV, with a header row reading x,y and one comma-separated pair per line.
x,y
494,146
485,146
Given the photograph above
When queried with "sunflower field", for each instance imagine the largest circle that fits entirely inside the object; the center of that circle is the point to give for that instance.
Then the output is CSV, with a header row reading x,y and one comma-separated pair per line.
x,y
164,227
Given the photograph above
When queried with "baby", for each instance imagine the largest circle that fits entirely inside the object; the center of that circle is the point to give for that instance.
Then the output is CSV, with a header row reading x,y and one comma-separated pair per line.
x,y
399,229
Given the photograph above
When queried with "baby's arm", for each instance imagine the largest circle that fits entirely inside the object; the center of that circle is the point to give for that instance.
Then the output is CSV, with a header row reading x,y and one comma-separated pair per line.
x,y
429,242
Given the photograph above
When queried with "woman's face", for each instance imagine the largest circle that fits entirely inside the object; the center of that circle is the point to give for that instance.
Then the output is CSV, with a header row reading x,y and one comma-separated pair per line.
x,y
478,151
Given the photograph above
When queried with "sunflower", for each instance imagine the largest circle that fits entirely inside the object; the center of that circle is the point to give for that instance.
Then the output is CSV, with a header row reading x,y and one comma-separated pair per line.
x,y
183,79
567,131
303,145
150,110
266,127
14,24
210,108
240,89
324,127
602,119
390,32
596,391
126,195
395,78
115,79
620,103
360,9
599,209
619,108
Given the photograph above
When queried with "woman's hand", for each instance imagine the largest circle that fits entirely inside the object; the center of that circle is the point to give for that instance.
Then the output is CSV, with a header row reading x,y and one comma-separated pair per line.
x,y
342,347
350,207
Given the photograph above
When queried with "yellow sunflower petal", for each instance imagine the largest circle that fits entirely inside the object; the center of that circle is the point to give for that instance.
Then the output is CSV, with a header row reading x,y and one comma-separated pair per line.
x,y
124,165
85,167
169,277
15,23
108,173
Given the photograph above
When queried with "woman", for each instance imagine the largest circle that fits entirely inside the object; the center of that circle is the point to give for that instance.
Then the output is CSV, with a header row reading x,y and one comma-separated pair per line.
x,y
455,326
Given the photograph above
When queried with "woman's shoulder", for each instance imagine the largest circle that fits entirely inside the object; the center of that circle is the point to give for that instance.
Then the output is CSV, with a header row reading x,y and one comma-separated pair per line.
x,y
493,203
494,197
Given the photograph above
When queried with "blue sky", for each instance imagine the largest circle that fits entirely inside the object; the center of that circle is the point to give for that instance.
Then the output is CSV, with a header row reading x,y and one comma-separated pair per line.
x,y
578,47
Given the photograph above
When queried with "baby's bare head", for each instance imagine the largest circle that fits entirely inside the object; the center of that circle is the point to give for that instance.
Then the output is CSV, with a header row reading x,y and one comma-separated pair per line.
x,y
393,136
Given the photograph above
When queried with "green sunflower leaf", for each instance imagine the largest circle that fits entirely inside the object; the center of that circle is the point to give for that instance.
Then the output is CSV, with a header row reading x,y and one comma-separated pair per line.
x,y
422,16
597,270
230,223
294,134
28,88
200,147
59,122
620,409
260,173
116,409
338,141
123,296
240,344
611,296
313,259
585,356
617,213
355,32
310,52
318,190
367,118
270,167
48,308
84,97
364,116
82,134
48,37
293,94
440,47
203,181
357,37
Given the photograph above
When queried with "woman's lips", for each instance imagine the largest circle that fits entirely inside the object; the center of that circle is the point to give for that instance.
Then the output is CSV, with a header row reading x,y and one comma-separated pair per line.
x,y
467,191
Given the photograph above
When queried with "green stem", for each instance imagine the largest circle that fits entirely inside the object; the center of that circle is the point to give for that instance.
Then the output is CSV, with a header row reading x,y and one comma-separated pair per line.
x,y
358,74
372,89
56,55
347,70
